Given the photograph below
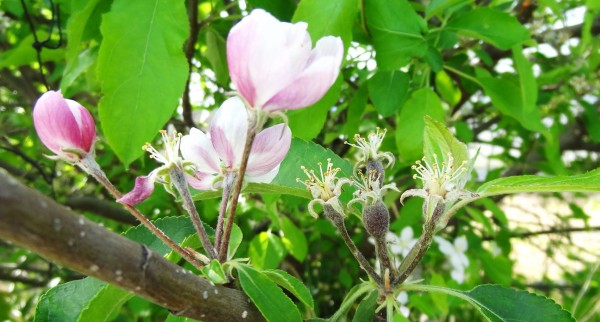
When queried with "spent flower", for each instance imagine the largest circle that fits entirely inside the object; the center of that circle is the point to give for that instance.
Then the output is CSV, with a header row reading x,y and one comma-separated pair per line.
x,y
442,182
274,66
368,149
324,187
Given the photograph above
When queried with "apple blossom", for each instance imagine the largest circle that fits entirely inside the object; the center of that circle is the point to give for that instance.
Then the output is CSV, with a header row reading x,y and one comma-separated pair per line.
x,y
273,67
64,126
217,156
324,188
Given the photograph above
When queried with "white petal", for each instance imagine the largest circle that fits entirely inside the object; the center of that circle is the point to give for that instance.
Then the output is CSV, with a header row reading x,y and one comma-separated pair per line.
x,y
406,234
263,178
461,245
198,148
228,131
444,245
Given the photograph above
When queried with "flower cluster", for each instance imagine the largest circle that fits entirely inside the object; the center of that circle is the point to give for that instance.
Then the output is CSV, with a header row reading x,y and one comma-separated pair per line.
x,y
325,187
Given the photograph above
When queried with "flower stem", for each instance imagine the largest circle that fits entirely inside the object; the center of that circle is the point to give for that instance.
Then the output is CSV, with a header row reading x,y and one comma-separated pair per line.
x,y
253,127
178,179
384,258
417,252
228,182
338,221
90,166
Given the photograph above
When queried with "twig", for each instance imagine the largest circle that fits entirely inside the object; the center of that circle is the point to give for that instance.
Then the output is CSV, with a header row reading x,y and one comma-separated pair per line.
x,y
91,167
190,47
229,180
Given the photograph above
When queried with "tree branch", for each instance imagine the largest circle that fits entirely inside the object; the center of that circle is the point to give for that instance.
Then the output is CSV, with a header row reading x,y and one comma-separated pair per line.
x,y
554,230
34,221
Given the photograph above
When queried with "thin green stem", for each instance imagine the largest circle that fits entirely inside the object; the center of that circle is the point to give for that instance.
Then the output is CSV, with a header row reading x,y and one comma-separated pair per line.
x,y
389,309
349,302
458,72
90,166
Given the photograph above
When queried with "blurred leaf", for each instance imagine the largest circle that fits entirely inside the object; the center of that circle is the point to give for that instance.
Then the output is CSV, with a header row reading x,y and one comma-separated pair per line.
x,y
268,298
215,53
388,90
445,86
23,53
235,240
439,299
436,7
293,239
328,18
292,284
497,268
355,110
365,311
498,28
411,122
266,251
397,32
142,71
587,182
281,9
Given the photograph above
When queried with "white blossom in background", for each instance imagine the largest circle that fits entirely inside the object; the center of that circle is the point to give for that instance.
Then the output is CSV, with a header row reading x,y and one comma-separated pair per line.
x,y
401,245
402,299
455,255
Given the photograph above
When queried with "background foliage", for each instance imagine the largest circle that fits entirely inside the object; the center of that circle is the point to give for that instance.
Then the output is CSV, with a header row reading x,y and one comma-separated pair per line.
x,y
520,80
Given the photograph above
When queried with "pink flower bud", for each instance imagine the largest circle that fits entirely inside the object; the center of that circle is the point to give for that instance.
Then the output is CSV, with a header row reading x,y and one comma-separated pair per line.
x,y
273,67
64,126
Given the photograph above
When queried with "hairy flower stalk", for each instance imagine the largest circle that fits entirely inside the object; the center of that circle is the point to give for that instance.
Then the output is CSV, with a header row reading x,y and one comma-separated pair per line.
x,y
172,175
325,189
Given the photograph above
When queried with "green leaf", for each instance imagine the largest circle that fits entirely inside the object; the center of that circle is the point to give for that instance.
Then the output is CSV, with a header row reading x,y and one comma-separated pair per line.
x,y
105,304
527,83
437,140
307,123
366,308
507,95
234,240
214,272
440,300
142,71
388,90
281,9
268,298
66,301
397,32
411,123
445,87
587,182
325,18
293,239
498,303
292,284
435,7
498,28
356,108
23,53
502,304
266,251
216,55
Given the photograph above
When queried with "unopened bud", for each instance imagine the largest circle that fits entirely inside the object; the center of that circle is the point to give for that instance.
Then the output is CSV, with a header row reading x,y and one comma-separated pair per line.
x,y
376,219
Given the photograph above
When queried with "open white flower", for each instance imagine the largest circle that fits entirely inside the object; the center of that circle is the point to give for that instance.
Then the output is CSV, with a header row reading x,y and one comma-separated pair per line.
x,y
455,254
370,190
217,155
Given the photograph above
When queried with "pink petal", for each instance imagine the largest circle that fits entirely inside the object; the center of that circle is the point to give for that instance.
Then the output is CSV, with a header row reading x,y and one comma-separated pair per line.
x,y
263,178
265,55
268,150
197,148
314,81
143,188
201,181
228,131
63,124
